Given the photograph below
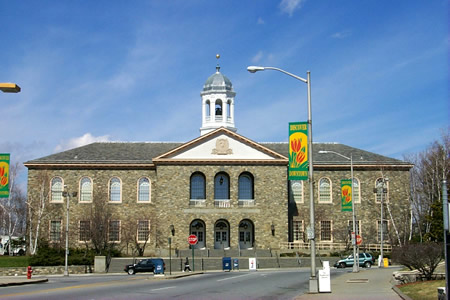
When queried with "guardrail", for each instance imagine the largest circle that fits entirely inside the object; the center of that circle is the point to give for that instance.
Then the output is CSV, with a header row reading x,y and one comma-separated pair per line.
x,y
225,203
197,202
334,246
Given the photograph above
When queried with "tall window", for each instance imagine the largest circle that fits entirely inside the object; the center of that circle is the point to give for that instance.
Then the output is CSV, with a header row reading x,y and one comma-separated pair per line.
x,y
85,231
381,190
297,191
85,189
114,231
143,232
385,230
208,109
144,190
324,190
222,186
246,186
114,190
325,230
57,189
356,191
358,226
297,230
198,186
55,231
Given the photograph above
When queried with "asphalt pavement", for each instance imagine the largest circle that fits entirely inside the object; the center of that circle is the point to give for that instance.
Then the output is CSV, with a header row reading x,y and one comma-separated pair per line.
x,y
368,284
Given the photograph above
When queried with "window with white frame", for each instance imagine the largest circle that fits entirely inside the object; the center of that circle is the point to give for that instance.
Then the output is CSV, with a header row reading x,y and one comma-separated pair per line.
x,y
325,231
297,190
114,231
325,190
297,230
144,190
115,191
381,187
385,230
356,190
55,231
85,189
85,231
358,226
57,187
143,230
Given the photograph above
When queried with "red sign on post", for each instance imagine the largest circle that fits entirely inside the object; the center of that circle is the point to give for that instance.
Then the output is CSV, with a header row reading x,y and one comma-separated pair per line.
x,y
358,240
192,239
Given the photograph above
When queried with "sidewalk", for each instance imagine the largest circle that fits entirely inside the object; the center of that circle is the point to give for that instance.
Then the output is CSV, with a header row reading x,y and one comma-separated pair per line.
x,y
368,284
19,280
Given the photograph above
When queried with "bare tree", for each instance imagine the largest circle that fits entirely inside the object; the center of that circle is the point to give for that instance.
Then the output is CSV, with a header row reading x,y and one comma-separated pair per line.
x,y
36,210
136,233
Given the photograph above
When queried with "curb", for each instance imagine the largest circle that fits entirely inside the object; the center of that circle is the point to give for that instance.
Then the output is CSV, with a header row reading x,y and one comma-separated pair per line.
x,y
12,283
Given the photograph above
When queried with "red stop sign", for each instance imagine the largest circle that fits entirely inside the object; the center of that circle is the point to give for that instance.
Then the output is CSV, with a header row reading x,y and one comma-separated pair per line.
x,y
192,239
358,240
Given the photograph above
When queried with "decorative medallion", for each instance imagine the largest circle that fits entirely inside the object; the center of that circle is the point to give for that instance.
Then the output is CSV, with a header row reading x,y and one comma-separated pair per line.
x,y
222,147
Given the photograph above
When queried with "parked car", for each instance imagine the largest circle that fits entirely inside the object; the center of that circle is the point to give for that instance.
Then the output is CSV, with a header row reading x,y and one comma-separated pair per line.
x,y
145,265
16,244
365,260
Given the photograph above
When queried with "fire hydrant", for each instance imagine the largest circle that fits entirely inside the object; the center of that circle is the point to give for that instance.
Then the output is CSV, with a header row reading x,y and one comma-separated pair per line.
x,y
29,272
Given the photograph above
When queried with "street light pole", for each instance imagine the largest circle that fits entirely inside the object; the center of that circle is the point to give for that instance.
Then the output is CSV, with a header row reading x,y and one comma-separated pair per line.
x,y
313,284
355,248
66,259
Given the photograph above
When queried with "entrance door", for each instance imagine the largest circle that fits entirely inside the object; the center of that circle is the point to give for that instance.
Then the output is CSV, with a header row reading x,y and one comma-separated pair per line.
x,y
221,240
245,235
198,228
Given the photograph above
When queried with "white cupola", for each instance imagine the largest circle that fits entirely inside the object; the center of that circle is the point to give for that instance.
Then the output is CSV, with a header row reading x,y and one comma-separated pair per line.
x,y
217,103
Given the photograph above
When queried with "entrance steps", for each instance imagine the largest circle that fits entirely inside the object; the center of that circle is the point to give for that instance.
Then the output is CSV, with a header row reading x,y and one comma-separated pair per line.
x,y
225,253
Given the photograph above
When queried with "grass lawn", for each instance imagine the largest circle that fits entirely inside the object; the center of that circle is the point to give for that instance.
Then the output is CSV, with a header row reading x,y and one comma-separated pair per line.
x,y
13,261
422,290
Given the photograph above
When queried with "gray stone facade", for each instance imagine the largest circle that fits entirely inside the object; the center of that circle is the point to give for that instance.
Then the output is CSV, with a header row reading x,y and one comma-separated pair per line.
x,y
270,216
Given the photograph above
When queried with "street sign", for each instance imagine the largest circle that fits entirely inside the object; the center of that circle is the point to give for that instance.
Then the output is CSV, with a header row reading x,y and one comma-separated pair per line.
x,y
192,239
358,239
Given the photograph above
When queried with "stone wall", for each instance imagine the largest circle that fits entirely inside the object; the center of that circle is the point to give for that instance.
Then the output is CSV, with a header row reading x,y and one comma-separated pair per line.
x,y
45,270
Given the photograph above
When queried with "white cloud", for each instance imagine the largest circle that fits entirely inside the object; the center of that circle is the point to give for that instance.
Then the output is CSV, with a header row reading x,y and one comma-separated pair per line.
x,y
260,21
341,34
289,6
257,58
87,138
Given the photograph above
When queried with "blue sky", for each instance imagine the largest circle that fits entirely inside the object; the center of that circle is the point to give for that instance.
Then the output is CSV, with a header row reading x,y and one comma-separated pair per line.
x,y
133,71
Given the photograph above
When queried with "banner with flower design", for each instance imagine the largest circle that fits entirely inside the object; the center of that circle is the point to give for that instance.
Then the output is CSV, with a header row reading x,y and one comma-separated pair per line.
x,y
346,195
298,151
4,175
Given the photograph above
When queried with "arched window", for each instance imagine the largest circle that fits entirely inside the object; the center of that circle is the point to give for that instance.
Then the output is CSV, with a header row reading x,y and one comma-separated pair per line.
x,y
246,186
221,186
57,189
381,187
198,186
325,190
218,108
115,190
229,109
85,189
356,191
144,190
297,190
208,108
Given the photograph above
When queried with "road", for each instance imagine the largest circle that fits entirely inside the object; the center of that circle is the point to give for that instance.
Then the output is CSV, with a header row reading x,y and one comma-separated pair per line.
x,y
271,284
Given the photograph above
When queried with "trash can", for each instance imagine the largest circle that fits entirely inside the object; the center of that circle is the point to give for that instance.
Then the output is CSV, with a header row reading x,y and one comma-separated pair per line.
x,y
159,267
235,264
226,264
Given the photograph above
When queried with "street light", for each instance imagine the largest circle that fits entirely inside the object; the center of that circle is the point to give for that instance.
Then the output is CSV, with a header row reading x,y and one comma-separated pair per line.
x,y
66,259
381,189
313,284
9,87
355,250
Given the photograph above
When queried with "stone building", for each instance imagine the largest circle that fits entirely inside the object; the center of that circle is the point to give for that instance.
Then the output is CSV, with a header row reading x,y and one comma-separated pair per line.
x,y
230,191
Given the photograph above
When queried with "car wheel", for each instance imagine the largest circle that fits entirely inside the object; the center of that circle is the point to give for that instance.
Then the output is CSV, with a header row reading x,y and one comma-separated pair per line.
x,y
367,264
131,271
342,265
21,252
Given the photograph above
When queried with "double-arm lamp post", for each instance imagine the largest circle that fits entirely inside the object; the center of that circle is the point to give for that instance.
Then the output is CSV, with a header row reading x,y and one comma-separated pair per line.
x,y
355,250
313,284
